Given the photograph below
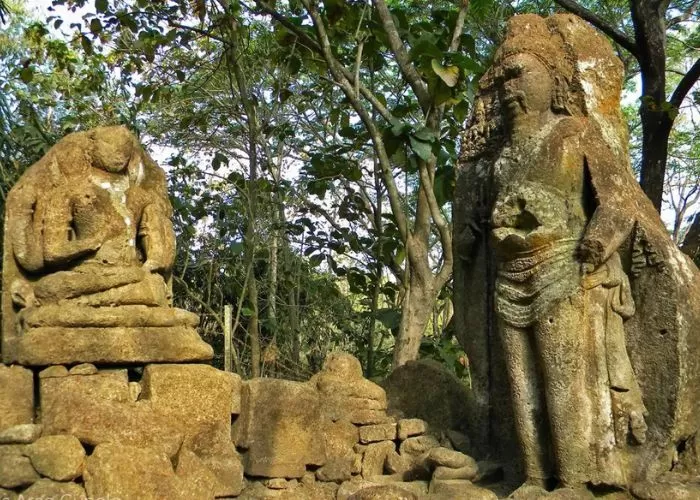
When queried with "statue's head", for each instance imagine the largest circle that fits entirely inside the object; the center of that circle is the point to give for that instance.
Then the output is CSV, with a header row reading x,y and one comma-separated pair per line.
x,y
559,64
113,148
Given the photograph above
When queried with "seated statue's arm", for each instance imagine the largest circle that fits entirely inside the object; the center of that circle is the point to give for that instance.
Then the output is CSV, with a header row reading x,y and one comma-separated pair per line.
x,y
60,242
157,239
24,229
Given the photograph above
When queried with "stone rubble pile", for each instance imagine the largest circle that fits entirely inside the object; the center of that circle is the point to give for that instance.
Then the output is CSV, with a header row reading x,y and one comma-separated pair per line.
x,y
193,432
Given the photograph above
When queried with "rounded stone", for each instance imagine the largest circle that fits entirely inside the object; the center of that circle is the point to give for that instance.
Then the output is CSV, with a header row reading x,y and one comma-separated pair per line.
x,y
344,365
60,457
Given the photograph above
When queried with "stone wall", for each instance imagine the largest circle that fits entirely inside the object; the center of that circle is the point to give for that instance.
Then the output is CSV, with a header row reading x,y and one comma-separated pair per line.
x,y
191,431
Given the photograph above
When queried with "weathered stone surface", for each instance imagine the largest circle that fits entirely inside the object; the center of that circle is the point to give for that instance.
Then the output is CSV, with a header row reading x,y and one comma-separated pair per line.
x,y
128,472
650,490
46,489
467,472
570,494
343,365
408,427
459,489
414,447
61,458
98,409
8,494
396,464
16,396
377,432
116,345
88,251
21,434
424,389
196,393
16,470
340,437
374,457
193,470
489,471
368,490
450,458
277,428
83,369
280,483
55,371
529,492
569,290
337,469
213,446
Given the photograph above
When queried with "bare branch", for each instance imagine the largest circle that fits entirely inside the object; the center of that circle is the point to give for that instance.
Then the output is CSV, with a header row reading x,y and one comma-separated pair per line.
x,y
685,85
459,26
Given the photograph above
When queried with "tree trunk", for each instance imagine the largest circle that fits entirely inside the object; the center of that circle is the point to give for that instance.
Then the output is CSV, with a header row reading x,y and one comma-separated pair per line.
x,y
691,242
415,314
656,128
254,327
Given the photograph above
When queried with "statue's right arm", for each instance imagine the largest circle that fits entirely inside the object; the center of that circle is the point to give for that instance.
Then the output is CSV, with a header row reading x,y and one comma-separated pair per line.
x,y
25,230
60,244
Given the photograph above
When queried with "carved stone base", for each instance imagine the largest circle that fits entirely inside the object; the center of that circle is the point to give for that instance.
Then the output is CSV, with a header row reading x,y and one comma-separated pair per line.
x,y
118,345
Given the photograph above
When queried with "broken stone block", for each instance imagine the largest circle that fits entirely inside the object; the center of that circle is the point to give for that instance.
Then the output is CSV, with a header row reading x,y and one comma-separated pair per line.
x,y
56,371
450,458
195,393
414,447
191,469
370,490
408,427
213,446
98,409
21,434
336,469
340,437
16,470
61,458
131,473
396,464
374,457
46,489
16,396
377,432
277,427
468,472
459,489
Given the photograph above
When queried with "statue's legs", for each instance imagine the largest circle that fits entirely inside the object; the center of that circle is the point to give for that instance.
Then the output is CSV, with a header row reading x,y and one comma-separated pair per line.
x,y
528,402
562,348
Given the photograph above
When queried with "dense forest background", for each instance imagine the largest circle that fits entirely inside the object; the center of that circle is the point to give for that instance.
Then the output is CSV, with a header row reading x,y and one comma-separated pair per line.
x,y
311,145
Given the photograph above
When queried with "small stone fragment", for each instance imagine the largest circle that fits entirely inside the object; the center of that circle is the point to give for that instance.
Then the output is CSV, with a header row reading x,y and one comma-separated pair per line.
x,y
374,458
21,434
83,369
46,489
16,471
56,371
396,464
134,391
459,489
61,458
377,432
408,427
280,483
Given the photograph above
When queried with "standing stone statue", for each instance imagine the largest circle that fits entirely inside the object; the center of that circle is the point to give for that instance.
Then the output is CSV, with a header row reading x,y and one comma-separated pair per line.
x,y
88,255
580,316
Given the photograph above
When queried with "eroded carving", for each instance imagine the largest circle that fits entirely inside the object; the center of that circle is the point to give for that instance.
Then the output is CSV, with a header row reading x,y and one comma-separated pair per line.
x,y
550,227
89,248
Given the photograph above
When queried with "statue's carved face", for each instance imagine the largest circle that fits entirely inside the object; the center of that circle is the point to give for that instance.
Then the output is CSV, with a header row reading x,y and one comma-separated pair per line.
x,y
525,85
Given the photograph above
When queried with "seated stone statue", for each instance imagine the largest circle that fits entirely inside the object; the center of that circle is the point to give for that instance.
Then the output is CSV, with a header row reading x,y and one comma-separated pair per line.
x,y
89,248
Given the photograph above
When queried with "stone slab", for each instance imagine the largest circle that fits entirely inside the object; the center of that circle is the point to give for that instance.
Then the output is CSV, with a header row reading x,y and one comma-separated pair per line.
x,y
16,396
56,345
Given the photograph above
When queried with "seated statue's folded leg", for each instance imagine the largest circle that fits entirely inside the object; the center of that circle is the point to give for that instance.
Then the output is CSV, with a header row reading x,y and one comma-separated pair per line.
x,y
84,280
151,291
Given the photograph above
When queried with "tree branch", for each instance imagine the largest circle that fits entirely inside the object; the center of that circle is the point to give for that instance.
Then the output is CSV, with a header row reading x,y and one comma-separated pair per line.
x,y
407,68
685,85
618,36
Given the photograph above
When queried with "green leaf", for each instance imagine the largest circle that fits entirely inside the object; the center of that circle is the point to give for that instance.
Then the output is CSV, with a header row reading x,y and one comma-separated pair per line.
x,y
101,6
448,74
422,149
27,74
218,160
95,26
461,111
87,44
390,318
